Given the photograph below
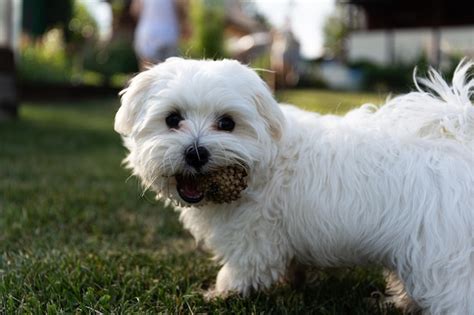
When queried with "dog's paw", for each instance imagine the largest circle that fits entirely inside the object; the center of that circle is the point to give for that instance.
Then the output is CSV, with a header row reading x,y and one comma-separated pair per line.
x,y
213,295
228,283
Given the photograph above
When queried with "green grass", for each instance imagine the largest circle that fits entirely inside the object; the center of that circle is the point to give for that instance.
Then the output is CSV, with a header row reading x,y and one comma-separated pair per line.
x,y
325,102
76,234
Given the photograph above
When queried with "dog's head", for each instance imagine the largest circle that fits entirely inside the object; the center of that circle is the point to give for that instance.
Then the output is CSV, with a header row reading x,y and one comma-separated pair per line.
x,y
184,118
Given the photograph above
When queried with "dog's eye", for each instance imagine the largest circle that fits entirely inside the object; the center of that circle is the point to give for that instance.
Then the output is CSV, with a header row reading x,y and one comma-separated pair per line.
x,y
173,119
225,123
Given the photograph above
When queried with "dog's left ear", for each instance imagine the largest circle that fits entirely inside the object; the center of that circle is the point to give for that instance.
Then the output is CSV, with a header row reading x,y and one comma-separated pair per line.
x,y
270,111
133,99
252,85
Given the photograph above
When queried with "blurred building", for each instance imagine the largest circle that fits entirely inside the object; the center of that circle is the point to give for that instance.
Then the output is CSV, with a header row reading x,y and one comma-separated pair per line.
x,y
388,31
246,36
249,38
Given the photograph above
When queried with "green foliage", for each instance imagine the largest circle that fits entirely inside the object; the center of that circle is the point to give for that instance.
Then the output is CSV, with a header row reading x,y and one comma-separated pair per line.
x,y
208,33
335,31
55,57
45,61
119,7
450,64
393,77
40,16
77,236
261,62
75,55
82,26
112,58
399,75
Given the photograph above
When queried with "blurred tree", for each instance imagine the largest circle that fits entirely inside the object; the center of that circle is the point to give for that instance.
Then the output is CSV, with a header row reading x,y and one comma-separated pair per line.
x,y
207,19
41,15
81,27
45,61
8,89
335,33
123,22
114,57
262,19
61,31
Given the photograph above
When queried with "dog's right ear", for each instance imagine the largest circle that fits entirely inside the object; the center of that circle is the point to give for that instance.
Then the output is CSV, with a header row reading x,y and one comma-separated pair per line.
x,y
132,101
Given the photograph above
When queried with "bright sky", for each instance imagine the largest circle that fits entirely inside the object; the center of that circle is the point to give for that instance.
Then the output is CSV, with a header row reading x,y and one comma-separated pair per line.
x,y
307,20
102,14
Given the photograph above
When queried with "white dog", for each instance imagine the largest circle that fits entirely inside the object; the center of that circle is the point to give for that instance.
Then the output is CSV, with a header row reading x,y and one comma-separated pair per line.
x,y
393,185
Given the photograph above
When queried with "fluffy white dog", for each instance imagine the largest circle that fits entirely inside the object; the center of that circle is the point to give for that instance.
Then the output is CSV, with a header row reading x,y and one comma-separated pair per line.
x,y
392,185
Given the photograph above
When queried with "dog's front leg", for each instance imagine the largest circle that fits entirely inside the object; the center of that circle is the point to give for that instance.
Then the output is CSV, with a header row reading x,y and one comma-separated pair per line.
x,y
234,279
255,253
230,280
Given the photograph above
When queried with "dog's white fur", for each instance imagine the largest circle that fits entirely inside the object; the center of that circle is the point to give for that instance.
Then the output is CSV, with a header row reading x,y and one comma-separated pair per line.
x,y
391,185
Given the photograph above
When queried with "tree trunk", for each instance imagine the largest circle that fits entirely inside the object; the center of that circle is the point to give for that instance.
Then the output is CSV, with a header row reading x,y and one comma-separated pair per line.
x,y
8,92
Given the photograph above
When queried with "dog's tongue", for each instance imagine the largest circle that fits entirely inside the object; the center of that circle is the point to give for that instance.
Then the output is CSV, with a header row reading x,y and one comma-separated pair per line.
x,y
188,189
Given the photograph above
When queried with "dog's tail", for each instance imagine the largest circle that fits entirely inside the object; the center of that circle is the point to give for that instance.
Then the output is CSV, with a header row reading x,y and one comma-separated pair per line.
x,y
436,109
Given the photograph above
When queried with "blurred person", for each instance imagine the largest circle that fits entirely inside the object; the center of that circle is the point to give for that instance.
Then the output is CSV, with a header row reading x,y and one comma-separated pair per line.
x,y
158,29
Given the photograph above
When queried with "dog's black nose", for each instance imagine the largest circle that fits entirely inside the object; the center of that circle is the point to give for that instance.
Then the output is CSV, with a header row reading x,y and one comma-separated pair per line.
x,y
196,156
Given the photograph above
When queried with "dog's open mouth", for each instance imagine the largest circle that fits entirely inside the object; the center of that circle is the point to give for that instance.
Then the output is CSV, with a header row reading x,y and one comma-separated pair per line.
x,y
189,189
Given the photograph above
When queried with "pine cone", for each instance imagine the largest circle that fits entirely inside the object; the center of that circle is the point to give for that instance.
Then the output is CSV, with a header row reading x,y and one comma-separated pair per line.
x,y
224,185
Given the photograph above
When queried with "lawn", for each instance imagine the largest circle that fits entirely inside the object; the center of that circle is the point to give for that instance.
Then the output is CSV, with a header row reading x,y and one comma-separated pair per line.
x,y
324,102
77,235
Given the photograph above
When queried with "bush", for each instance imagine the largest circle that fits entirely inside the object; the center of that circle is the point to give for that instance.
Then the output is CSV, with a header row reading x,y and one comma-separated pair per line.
x,y
116,57
399,76
82,27
56,56
384,78
208,36
45,61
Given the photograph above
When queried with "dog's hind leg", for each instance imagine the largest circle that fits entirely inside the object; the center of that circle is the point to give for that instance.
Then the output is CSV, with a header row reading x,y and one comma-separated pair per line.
x,y
296,275
395,294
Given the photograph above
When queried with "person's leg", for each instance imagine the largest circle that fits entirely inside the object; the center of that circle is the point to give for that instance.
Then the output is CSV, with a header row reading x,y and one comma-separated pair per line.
x,y
161,55
165,52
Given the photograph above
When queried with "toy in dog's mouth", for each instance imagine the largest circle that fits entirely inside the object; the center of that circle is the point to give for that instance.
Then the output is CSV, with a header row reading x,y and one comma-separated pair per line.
x,y
220,186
